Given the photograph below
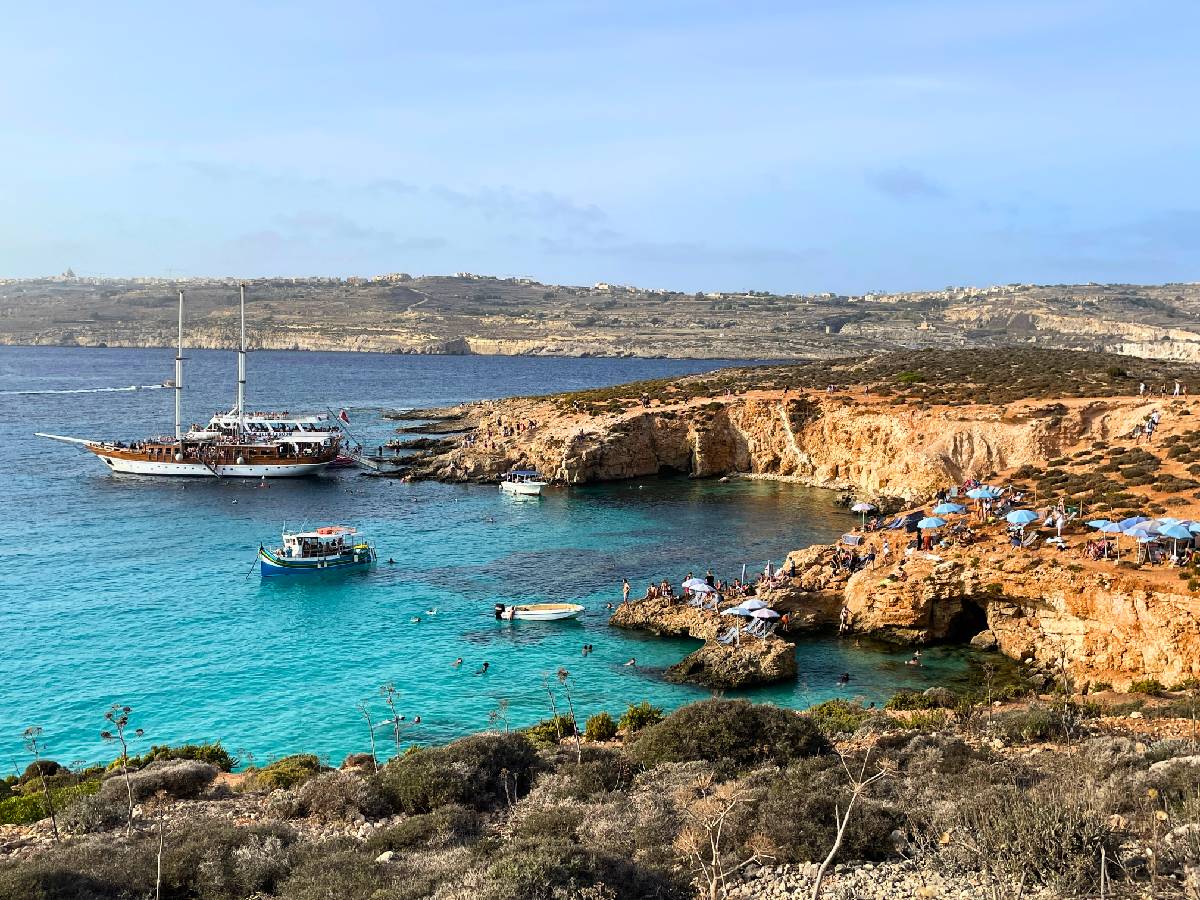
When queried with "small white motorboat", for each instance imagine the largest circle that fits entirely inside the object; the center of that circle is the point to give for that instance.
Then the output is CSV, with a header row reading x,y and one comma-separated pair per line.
x,y
538,612
523,482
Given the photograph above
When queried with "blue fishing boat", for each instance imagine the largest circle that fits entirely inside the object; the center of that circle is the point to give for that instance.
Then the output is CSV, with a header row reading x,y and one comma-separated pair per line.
x,y
334,548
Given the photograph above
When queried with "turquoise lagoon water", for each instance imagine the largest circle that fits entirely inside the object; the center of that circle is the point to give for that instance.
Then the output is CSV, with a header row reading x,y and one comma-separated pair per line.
x,y
137,590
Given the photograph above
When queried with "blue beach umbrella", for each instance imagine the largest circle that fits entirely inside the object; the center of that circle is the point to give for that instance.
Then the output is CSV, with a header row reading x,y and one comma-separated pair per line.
x,y
1132,522
983,492
1193,526
735,611
1098,523
1022,516
1177,533
1115,529
931,522
946,509
1167,520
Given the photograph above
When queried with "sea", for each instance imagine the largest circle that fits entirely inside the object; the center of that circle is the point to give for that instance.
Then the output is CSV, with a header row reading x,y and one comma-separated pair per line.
x,y
143,591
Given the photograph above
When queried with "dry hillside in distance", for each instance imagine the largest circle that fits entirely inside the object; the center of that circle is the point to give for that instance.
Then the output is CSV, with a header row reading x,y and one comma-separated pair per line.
x,y
482,314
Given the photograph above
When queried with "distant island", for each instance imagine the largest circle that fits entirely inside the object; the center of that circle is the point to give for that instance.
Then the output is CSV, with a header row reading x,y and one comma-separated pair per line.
x,y
479,314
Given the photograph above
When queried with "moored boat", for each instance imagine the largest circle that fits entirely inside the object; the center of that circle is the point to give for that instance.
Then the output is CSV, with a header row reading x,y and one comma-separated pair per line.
x,y
523,482
333,548
538,612
235,444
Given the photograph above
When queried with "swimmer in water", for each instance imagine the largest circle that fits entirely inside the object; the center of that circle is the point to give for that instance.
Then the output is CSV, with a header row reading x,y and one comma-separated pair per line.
x,y
391,562
415,619
457,663
844,678
482,669
632,662
432,611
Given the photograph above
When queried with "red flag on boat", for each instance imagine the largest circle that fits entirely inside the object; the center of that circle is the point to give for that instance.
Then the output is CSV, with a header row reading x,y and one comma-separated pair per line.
x,y
345,418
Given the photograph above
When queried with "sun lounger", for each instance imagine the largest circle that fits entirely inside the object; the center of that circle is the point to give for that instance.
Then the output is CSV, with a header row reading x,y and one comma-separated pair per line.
x,y
899,523
1030,539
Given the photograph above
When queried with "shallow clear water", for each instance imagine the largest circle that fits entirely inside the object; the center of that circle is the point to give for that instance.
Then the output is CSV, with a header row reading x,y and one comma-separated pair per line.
x,y
137,590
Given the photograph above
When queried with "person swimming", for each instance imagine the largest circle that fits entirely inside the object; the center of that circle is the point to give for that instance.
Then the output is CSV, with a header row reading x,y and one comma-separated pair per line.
x,y
632,662
482,669
391,562
415,619
844,678
457,664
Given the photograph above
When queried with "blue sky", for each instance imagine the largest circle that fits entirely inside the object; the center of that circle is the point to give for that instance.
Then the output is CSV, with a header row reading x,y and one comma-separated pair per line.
x,y
845,146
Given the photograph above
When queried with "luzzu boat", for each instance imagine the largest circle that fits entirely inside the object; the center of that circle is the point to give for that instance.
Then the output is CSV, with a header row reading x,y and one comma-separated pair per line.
x,y
334,548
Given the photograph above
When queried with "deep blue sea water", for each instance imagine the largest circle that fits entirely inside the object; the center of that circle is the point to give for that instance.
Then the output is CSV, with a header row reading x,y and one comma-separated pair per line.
x,y
137,590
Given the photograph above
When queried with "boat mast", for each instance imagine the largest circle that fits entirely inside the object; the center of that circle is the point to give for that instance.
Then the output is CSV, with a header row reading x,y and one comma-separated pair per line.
x,y
179,377
241,384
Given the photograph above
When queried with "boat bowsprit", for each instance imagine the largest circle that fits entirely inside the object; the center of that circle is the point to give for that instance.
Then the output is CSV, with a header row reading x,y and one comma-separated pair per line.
x,y
333,548
538,612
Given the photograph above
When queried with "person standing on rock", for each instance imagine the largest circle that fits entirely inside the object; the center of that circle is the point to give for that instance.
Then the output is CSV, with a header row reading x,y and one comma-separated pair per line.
x,y
1141,389
710,579
624,590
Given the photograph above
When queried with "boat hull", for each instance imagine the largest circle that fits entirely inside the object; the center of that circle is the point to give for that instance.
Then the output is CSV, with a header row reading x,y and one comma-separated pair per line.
x,y
547,612
136,464
272,566
522,489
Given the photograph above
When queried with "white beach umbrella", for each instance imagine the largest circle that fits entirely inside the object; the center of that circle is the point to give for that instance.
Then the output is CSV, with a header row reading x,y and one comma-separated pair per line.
x,y
754,604
765,614
735,611
702,588
695,584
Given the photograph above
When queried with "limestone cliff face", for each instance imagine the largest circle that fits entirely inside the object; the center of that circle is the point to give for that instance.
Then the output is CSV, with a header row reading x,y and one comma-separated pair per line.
x,y
1105,627
873,448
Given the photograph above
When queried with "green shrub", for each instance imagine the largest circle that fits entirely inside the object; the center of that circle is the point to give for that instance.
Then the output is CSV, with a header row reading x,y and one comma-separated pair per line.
x,y
213,754
734,734
600,727
337,796
1147,686
797,815
543,868
91,813
446,826
838,716
1050,835
25,809
35,770
482,772
600,771
639,716
178,778
904,700
283,773
550,731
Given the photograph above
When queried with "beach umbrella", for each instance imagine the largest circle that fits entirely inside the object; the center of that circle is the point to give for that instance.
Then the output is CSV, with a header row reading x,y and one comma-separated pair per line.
x,y
946,509
1022,517
1167,520
863,507
765,614
702,588
1176,533
983,492
754,604
1098,523
1193,526
695,584
1132,522
735,611
931,522
1115,529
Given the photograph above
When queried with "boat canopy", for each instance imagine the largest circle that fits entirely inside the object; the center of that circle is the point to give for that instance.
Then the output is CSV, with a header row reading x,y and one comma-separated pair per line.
x,y
329,533
523,473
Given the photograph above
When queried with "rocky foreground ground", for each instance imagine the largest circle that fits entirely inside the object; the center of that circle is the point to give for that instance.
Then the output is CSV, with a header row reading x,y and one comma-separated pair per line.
x,y
1033,797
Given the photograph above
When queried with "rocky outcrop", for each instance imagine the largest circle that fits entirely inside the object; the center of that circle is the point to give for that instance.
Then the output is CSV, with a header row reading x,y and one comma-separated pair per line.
x,y
872,448
1099,626
753,662
666,619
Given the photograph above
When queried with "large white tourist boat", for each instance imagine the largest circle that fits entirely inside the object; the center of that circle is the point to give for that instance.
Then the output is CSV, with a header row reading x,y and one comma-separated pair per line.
x,y
236,444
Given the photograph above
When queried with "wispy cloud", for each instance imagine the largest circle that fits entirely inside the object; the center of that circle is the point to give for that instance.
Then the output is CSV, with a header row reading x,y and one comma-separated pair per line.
x,y
903,183
694,253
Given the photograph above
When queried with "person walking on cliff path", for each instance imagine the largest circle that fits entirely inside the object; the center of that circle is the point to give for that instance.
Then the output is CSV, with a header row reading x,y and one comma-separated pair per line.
x,y
1141,389
1175,393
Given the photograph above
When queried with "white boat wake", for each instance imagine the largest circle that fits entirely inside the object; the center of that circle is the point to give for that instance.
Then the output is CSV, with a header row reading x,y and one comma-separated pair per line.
x,y
102,390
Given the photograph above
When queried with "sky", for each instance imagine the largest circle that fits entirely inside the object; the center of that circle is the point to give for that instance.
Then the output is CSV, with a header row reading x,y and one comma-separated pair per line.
x,y
852,146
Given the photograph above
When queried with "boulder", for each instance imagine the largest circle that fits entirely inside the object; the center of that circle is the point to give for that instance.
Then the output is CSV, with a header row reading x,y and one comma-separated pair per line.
x,y
985,640
756,661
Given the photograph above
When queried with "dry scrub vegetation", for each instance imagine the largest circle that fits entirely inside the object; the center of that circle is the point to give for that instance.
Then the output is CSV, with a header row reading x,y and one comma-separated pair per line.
x,y
678,808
